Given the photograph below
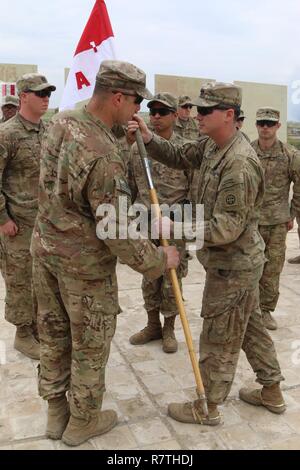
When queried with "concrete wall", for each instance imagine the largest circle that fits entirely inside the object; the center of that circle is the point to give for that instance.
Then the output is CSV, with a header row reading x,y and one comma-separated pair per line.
x,y
255,95
180,85
9,73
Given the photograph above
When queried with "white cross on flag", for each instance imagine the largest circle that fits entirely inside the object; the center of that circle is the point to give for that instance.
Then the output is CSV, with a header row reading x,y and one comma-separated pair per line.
x,y
95,45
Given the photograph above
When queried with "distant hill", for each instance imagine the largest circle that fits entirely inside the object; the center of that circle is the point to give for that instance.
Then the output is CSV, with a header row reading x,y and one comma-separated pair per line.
x,y
293,124
293,131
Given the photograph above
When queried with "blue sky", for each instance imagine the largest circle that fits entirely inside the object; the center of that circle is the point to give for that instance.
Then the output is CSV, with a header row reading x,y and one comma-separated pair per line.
x,y
226,40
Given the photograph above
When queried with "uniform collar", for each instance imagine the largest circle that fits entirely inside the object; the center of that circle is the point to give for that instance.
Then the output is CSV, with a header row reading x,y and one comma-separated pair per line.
x,y
30,126
174,137
272,151
215,154
182,122
99,123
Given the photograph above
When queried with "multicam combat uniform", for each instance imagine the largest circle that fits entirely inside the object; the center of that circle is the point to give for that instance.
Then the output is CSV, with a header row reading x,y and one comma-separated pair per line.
x,y
120,133
74,271
281,166
190,130
246,137
231,188
20,146
172,187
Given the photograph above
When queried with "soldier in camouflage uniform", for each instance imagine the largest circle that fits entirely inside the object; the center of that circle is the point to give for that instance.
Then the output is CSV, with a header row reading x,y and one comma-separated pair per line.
x,y
281,164
120,132
231,187
9,107
240,122
74,270
172,187
20,145
185,125
188,128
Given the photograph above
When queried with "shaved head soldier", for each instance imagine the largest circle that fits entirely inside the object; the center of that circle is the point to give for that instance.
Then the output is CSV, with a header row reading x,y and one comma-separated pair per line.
x,y
231,188
74,270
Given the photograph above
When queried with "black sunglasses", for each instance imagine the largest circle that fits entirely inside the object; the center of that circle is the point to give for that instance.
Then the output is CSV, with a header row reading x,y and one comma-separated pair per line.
x,y
186,106
138,98
41,93
266,123
160,111
205,111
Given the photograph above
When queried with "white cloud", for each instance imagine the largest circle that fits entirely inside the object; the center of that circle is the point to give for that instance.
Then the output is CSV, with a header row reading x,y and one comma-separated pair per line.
x,y
232,40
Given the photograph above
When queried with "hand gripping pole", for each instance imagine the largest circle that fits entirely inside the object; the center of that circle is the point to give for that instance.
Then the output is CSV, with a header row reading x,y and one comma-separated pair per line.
x,y
173,276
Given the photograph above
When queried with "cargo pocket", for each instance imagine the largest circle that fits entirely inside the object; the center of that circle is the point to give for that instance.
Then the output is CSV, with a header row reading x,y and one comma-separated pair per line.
x,y
223,317
100,315
220,385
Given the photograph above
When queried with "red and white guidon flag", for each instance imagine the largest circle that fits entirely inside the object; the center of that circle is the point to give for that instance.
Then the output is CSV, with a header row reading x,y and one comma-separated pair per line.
x,y
95,45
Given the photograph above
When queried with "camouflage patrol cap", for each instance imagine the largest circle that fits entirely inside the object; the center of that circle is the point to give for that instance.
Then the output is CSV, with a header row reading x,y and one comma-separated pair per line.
x,y
267,114
33,82
241,115
225,94
164,98
123,76
10,99
183,100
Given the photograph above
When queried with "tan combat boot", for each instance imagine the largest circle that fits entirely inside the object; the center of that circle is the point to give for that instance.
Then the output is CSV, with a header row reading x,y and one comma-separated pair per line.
x,y
270,397
26,343
268,320
169,341
151,332
58,417
295,260
192,412
79,430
